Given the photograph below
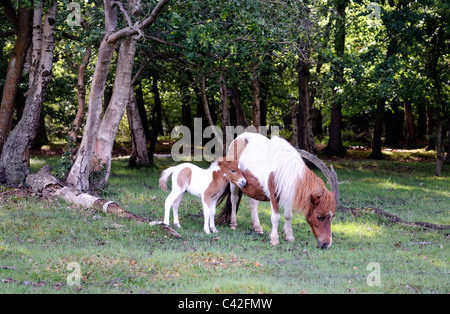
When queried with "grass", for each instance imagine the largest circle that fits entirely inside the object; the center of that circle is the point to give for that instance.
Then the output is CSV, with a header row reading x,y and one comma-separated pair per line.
x,y
39,237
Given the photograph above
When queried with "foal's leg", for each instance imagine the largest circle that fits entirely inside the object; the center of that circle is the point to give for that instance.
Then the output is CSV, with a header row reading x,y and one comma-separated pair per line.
x,y
275,219
206,215
255,219
234,198
175,206
288,225
212,216
171,198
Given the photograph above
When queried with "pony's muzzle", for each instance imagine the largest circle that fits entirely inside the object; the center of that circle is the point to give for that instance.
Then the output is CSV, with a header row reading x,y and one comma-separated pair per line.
x,y
242,183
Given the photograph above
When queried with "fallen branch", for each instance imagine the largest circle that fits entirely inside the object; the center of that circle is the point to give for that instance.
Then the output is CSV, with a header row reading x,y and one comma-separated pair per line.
x,y
43,182
395,219
7,267
329,173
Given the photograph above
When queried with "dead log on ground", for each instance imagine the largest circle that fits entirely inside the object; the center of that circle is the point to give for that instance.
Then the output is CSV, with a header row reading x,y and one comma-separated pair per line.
x,y
395,219
43,182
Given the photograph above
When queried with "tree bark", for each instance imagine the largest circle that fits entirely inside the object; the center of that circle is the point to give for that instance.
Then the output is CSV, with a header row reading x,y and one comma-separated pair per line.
x,y
25,131
156,119
410,132
304,121
439,149
394,126
335,146
100,139
378,130
81,87
241,119
110,122
139,156
79,173
23,23
256,102
224,101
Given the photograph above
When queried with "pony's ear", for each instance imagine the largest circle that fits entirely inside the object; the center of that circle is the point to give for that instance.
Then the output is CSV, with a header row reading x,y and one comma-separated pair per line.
x,y
315,199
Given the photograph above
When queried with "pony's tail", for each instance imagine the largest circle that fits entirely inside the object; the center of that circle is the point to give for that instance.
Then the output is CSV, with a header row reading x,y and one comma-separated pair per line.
x,y
165,177
224,217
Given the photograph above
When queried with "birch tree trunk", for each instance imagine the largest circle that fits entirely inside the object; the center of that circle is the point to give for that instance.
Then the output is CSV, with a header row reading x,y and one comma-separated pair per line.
x,y
81,86
24,133
110,122
97,137
79,173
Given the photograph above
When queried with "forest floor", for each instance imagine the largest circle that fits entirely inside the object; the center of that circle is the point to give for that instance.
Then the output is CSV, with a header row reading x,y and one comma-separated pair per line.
x,y
41,237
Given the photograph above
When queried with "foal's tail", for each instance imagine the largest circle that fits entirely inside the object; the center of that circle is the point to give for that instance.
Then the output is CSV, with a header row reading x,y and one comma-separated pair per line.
x,y
224,217
165,177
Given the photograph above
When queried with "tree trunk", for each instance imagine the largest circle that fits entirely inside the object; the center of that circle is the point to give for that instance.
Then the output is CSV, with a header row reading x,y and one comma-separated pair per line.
x,y
224,102
156,119
109,125
447,158
335,146
139,157
256,102
93,138
305,135
25,131
431,123
410,132
394,126
15,69
142,111
79,173
378,131
81,87
206,109
241,119
439,149
294,116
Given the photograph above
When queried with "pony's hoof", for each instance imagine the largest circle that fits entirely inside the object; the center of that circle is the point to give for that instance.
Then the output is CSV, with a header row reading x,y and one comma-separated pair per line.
x,y
274,242
234,227
258,230
215,230
178,226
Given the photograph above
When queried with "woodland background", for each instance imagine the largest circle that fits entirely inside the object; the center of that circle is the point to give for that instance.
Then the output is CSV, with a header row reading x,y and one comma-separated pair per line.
x,y
333,74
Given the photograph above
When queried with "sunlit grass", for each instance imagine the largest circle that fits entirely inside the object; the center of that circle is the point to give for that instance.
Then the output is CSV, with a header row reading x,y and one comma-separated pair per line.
x,y
41,236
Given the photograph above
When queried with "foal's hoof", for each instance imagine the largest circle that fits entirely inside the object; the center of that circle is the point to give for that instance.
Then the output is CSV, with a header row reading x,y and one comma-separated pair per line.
x,y
177,225
215,230
234,227
289,239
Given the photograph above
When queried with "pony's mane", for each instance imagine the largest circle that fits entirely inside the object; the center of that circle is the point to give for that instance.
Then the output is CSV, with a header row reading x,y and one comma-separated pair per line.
x,y
296,181
287,172
309,185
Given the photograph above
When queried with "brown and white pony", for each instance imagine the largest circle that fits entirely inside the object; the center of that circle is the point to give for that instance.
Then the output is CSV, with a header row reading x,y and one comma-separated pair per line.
x,y
276,172
208,184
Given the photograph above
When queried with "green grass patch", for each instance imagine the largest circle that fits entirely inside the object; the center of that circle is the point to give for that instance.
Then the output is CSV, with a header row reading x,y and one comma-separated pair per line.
x,y
40,237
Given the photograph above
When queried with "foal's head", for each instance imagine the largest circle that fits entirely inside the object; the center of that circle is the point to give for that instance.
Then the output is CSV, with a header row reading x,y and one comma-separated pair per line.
x,y
232,172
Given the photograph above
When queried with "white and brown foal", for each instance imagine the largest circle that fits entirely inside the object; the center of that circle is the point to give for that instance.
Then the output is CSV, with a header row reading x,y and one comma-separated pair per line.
x,y
208,184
